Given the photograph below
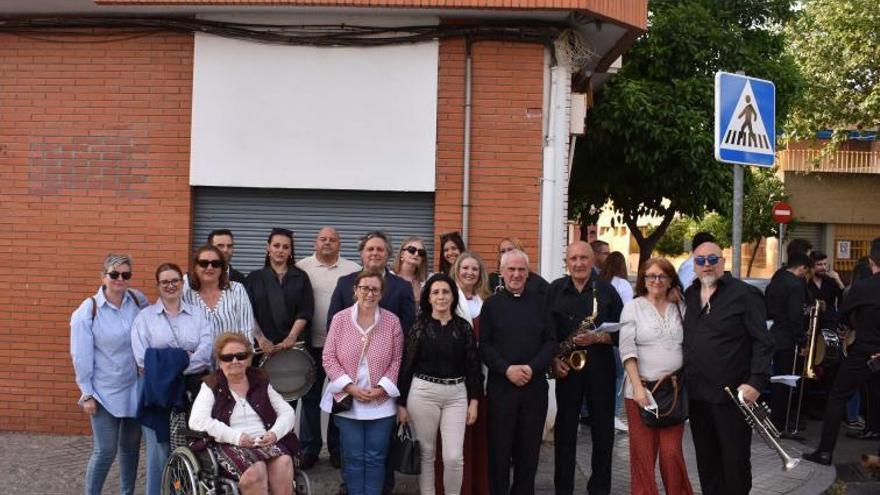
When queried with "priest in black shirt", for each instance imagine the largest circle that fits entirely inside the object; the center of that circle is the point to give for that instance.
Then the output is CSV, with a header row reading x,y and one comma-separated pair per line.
x,y
571,300
786,299
860,310
726,344
516,344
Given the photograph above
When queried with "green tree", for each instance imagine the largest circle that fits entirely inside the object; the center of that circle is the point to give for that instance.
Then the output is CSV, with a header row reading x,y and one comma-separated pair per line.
x,y
650,133
765,190
836,45
677,235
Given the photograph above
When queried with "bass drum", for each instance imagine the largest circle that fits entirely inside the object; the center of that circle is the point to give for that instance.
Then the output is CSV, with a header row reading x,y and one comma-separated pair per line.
x,y
828,349
291,372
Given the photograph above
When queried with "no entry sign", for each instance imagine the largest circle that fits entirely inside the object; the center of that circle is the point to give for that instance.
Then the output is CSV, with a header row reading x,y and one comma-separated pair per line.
x,y
782,212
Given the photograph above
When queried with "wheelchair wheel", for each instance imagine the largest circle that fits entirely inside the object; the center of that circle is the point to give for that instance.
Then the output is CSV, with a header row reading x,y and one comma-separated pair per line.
x,y
181,474
301,483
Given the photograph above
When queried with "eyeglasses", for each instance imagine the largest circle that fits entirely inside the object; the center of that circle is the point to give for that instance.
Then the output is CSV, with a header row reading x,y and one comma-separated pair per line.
x,y
211,263
415,250
241,356
656,278
115,275
366,289
711,259
169,283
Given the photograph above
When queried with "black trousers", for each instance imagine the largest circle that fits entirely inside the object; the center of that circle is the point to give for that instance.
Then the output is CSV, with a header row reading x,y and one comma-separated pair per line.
x,y
516,424
595,384
310,437
723,442
853,372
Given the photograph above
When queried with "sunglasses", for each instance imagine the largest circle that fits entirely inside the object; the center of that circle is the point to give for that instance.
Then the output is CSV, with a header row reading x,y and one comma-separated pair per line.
x,y
115,275
211,263
711,259
415,250
241,356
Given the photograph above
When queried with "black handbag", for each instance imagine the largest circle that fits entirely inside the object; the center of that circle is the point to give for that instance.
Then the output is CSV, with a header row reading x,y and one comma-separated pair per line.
x,y
671,398
404,453
342,405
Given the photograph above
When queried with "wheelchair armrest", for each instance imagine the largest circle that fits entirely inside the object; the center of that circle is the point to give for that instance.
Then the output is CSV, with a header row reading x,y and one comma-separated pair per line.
x,y
194,434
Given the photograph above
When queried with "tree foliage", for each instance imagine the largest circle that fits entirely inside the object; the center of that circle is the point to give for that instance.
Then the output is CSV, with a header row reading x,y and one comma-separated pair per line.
x,y
836,46
650,134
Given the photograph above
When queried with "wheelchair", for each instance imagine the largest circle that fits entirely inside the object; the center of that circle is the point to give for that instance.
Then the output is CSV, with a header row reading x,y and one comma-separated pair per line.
x,y
197,472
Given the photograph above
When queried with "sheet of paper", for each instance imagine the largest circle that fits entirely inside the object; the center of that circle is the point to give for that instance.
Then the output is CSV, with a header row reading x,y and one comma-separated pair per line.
x,y
789,380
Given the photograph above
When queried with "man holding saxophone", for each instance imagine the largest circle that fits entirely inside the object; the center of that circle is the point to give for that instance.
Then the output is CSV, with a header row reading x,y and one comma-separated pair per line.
x,y
726,344
580,304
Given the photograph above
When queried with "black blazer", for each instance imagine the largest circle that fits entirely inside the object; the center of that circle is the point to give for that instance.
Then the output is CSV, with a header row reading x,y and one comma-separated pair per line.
x,y
398,298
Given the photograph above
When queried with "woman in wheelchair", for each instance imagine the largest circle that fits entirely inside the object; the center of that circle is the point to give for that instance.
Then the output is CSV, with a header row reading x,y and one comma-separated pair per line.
x,y
251,423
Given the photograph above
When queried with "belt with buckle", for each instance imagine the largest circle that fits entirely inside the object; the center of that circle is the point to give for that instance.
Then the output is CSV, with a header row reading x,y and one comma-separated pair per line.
x,y
441,381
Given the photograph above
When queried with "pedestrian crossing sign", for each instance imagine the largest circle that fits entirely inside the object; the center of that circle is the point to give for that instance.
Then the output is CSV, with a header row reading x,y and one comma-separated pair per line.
x,y
745,120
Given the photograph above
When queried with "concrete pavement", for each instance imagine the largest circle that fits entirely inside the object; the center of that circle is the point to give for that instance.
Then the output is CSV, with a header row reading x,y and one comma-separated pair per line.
x,y
48,465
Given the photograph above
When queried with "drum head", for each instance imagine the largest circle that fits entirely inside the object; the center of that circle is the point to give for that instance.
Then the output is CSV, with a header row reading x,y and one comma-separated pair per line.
x,y
291,372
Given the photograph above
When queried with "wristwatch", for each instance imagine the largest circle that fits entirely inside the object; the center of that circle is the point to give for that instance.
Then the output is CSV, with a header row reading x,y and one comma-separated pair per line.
x,y
84,398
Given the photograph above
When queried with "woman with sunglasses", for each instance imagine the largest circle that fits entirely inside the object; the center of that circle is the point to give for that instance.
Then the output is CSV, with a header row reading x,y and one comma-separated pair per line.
x,y
440,382
100,345
170,323
451,246
412,264
651,338
281,295
362,357
251,423
225,303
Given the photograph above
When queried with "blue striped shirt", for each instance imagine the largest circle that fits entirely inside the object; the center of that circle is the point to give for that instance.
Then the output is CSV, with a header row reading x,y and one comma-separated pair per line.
x,y
101,350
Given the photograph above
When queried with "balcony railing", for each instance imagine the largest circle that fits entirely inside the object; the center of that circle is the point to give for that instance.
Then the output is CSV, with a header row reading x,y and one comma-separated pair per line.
x,y
848,162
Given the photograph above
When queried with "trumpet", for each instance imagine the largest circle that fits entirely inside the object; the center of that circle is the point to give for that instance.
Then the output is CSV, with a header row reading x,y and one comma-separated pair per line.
x,y
757,416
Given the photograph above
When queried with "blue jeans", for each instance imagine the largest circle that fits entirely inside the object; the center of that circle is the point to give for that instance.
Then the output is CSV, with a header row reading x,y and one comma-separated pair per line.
x,y
109,435
364,448
157,457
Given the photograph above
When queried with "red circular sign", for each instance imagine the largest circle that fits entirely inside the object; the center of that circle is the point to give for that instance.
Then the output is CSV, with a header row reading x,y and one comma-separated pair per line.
x,y
782,212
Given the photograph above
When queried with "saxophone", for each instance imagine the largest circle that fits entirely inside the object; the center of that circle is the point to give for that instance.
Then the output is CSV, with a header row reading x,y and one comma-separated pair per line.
x,y
567,351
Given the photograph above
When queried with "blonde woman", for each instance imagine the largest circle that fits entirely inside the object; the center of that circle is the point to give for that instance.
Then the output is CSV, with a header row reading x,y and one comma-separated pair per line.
x,y
412,264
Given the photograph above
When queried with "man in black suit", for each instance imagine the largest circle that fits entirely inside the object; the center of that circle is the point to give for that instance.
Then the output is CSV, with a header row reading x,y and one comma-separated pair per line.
x,y
223,240
397,298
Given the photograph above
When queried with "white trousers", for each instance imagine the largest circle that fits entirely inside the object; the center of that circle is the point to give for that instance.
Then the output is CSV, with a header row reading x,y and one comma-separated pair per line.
x,y
432,406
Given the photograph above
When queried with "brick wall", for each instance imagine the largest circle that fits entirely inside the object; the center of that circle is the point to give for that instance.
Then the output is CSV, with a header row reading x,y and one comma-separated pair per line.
x,y
506,144
94,147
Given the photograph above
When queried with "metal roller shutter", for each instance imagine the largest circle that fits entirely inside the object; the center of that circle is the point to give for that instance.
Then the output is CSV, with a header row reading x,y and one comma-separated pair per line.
x,y
812,232
251,213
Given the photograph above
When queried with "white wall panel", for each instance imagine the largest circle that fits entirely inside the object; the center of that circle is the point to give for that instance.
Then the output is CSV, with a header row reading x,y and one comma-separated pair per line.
x,y
314,118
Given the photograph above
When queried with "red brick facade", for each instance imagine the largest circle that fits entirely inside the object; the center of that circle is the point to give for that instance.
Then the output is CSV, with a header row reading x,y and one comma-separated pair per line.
x,y
506,143
94,146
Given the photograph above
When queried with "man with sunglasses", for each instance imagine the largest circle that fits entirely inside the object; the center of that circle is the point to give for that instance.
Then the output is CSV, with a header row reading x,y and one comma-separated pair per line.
x,y
223,240
397,298
726,344
324,268
686,274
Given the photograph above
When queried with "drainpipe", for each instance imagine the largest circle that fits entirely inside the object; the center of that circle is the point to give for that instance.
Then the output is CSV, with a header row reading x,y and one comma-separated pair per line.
x,y
466,172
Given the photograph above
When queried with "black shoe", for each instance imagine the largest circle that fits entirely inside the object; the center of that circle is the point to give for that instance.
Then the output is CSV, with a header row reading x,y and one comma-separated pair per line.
x,y
308,461
863,435
343,490
335,460
819,457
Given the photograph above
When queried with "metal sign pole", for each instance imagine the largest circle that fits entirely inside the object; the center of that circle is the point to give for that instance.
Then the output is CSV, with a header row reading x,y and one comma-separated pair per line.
x,y
736,237
779,248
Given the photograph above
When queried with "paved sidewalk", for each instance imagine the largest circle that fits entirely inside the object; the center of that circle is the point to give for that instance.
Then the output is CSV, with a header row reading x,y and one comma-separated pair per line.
x,y
42,464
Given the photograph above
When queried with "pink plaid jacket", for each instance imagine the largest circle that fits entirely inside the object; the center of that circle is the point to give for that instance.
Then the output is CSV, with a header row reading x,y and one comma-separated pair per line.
x,y
342,350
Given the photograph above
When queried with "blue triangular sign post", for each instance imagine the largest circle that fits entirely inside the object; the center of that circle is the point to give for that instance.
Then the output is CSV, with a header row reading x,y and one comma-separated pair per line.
x,y
745,120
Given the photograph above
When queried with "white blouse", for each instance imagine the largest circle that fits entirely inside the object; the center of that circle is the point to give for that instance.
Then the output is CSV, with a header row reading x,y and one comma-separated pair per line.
x,y
233,312
243,419
653,339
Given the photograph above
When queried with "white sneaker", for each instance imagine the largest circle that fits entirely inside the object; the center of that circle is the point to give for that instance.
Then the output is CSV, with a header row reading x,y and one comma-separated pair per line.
x,y
619,425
